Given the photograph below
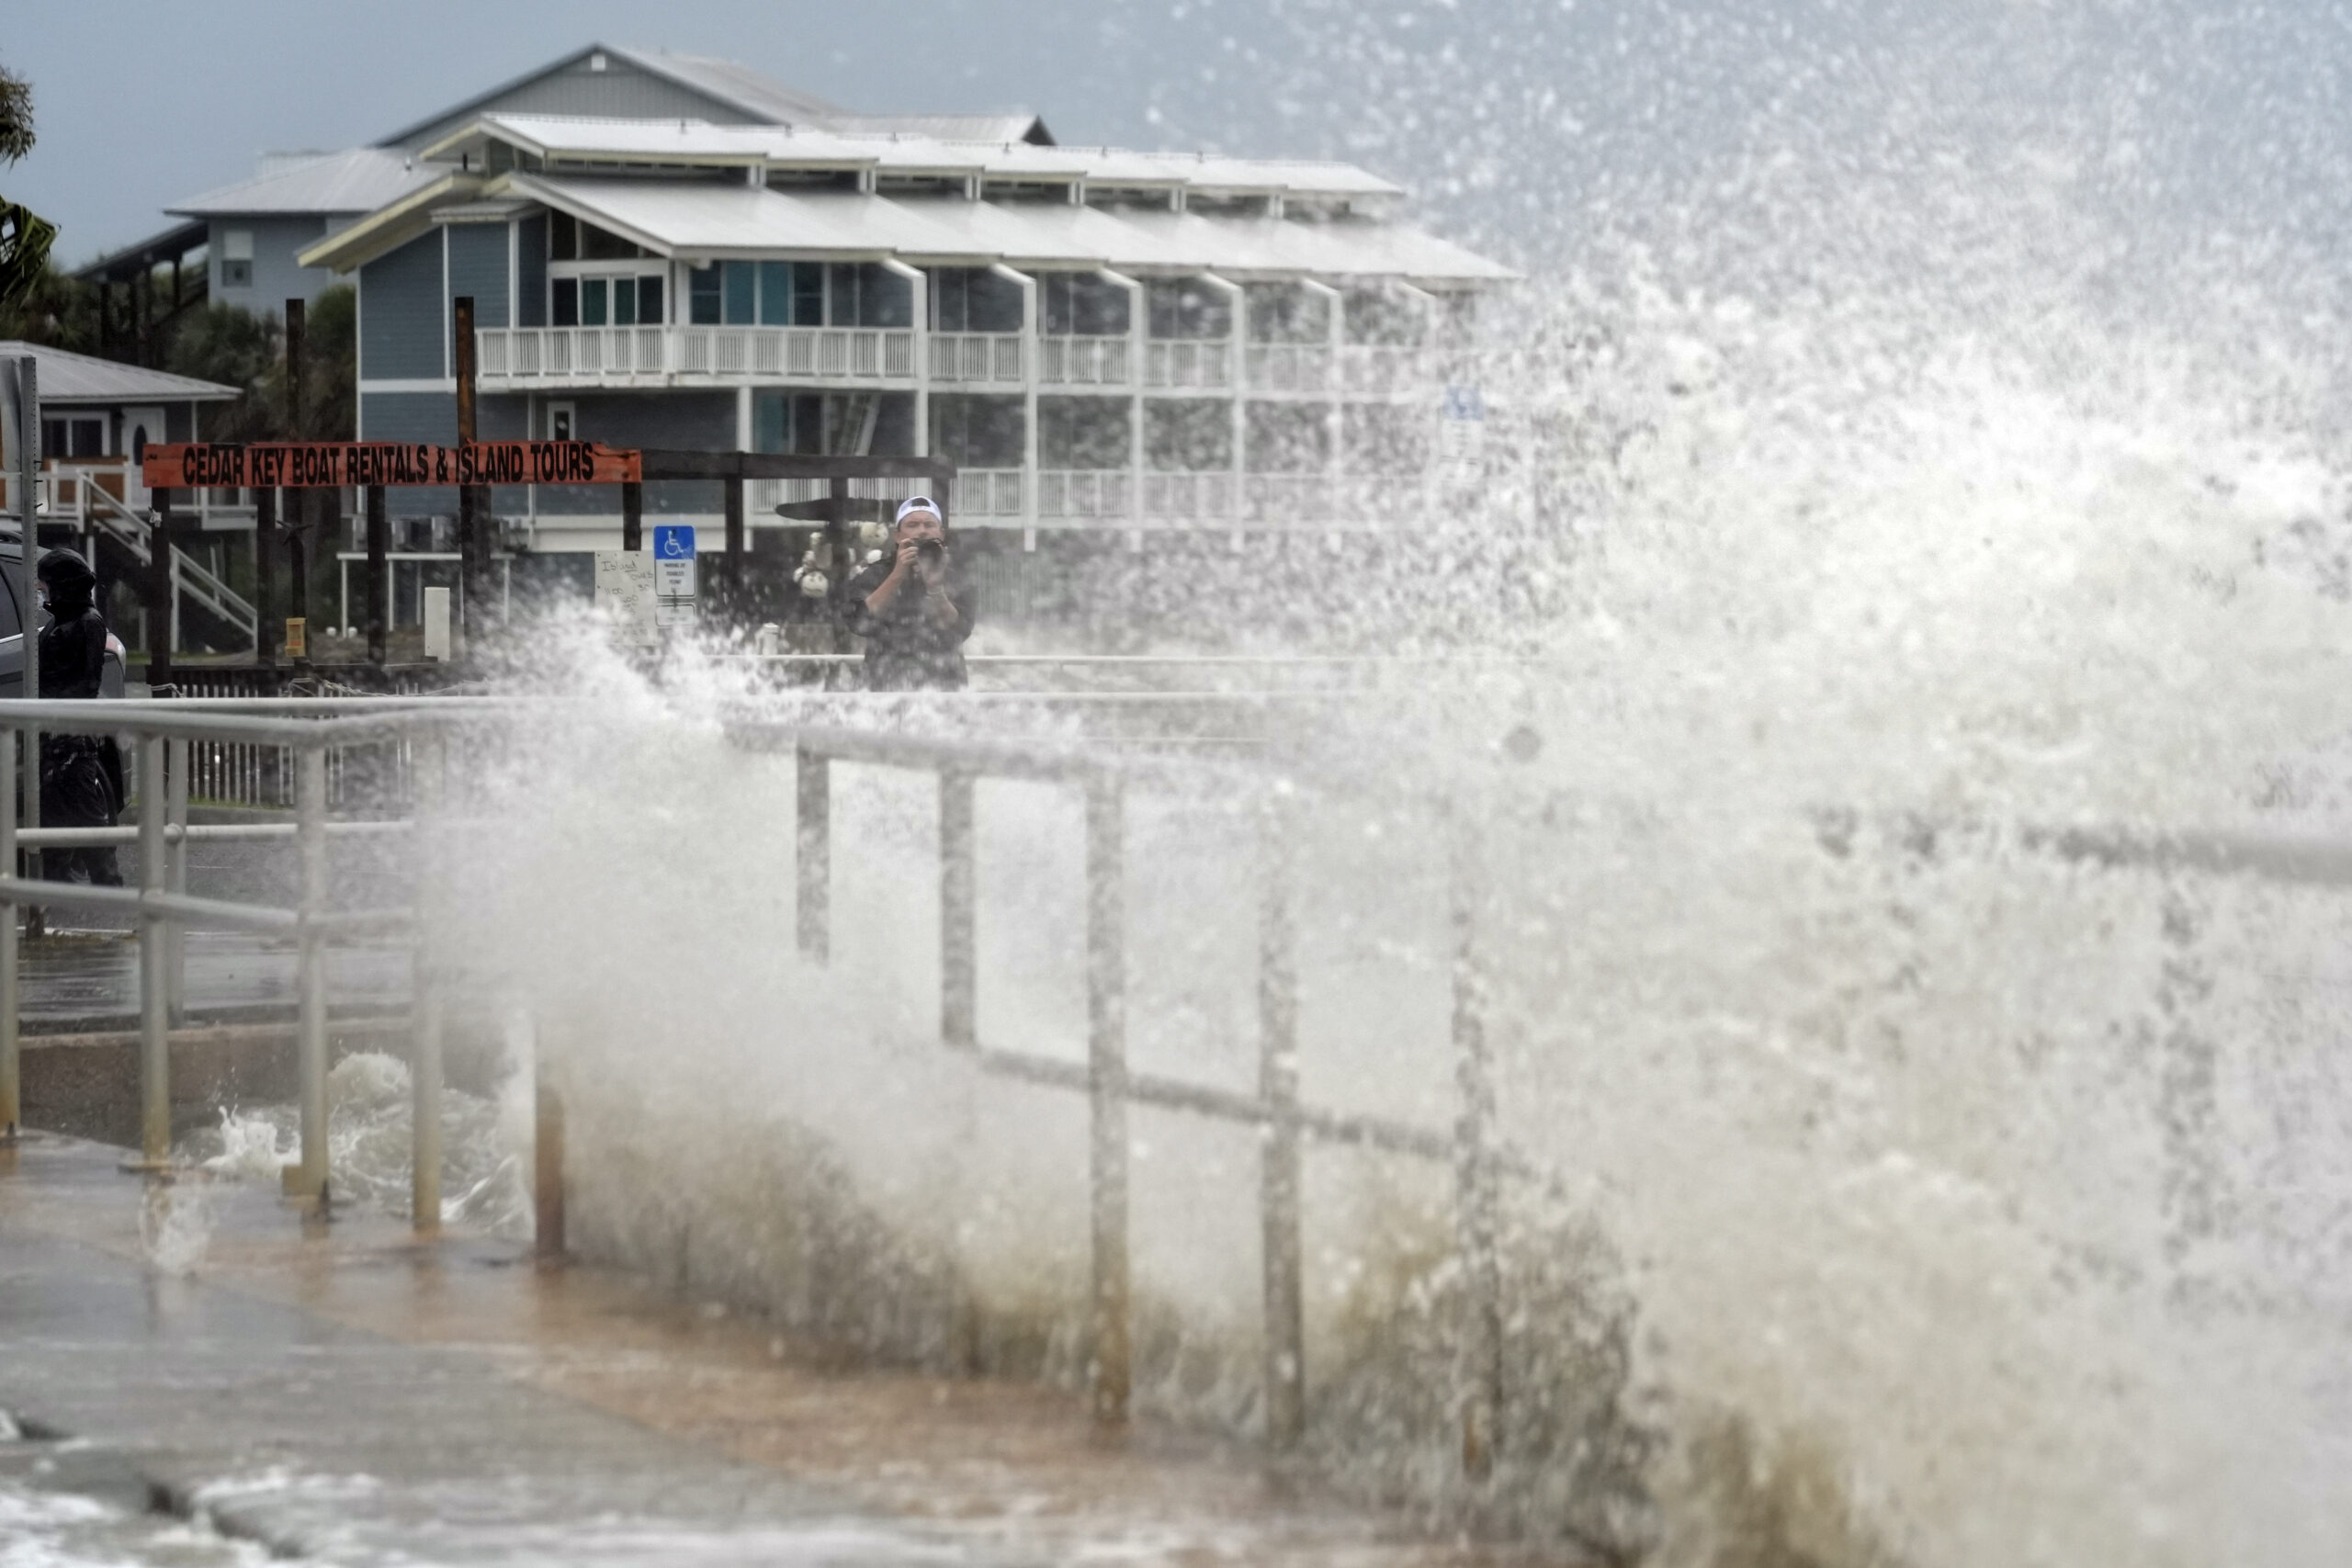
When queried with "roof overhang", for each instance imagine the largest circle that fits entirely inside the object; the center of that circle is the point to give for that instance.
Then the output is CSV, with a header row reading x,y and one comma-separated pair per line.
x,y
132,260
388,228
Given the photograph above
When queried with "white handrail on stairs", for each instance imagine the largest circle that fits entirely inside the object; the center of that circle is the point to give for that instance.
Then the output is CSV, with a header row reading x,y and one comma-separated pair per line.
x,y
131,529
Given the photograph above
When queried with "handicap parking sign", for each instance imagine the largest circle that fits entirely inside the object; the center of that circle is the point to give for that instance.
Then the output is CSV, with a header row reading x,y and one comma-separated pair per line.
x,y
673,574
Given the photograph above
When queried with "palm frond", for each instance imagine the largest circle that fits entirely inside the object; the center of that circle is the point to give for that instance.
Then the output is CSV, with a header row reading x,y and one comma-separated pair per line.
x,y
25,240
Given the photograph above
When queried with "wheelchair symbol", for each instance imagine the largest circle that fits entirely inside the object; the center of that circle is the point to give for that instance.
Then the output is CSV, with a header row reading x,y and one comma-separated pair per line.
x,y
675,545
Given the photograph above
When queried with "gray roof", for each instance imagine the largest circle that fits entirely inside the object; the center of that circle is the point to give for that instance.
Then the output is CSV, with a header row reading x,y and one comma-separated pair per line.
x,y
739,87
359,179
67,377
733,84
1017,126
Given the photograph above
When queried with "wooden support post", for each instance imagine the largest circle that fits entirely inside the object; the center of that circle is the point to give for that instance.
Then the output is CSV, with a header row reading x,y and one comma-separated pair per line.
x,y
160,620
731,602
379,544
1106,1019
632,517
958,891
474,544
814,855
300,509
266,546
1279,1172
1477,1218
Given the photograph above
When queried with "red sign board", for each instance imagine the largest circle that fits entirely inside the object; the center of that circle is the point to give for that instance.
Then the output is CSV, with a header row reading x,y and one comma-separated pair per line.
x,y
296,464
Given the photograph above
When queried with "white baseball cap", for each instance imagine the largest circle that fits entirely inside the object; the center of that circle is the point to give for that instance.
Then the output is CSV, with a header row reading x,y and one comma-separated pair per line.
x,y
917,503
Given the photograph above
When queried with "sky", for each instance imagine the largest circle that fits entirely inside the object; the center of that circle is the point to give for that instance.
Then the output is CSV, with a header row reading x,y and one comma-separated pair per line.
x,y
1520,124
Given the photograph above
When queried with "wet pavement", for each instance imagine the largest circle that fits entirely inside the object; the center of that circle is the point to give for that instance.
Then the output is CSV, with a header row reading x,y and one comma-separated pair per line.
x,y
344,1394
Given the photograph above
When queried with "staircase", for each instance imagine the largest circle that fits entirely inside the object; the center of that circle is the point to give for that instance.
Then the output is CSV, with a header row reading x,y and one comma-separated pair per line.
x,y
206,610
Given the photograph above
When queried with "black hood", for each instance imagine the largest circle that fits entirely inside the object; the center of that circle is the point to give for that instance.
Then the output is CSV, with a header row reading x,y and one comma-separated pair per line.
x,y
72,586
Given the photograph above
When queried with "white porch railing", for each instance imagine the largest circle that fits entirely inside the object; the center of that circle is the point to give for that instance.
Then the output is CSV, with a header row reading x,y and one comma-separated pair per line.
x,y
596,356
1081,496
762,497
982,493
1377,368
1290,367
1082,362
1188,497
961,358
1188,363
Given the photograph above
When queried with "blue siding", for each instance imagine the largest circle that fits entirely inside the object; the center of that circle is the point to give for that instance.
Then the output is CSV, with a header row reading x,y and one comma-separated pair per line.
x,y
401,336
698,422
531,272
478,266
413,416
276,277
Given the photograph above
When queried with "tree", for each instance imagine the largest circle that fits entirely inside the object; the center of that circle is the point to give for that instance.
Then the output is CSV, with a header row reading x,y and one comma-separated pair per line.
x,y
232,345
25,237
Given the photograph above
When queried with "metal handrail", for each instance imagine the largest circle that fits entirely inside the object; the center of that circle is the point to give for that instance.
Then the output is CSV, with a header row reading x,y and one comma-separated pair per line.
x,y
162,732
1472,1146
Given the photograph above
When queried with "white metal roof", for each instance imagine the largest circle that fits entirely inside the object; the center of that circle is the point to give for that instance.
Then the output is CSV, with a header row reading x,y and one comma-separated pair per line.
x,y
560,140
1018,126
68,377
704,221
359,179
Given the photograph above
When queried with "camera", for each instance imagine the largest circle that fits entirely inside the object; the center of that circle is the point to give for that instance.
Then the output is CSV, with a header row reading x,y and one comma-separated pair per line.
x,y
929,549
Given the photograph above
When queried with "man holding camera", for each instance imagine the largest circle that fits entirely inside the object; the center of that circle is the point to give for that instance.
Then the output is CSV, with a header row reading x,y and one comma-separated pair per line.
x,y
907,609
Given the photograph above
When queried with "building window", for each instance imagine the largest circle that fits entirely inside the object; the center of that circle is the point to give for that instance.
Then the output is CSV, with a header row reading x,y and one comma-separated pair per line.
x,y
571,239
974,300
1081,304
741,282
792,294
592,300
702,296
560,422
236,258
1188,307
82,438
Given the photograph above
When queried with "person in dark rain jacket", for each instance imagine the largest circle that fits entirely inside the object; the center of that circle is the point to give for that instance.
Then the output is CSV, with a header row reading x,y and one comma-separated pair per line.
x,y
912,608
81,775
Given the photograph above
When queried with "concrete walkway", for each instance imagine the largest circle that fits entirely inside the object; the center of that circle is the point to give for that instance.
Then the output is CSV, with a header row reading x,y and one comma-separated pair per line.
x,y
344,1394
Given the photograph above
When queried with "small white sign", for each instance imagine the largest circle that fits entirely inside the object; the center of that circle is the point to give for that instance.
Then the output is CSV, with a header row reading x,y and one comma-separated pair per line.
x,y
625,591
436,623
1462,431
673,574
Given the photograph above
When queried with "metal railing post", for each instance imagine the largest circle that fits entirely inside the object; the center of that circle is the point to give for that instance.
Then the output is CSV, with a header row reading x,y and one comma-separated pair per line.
x,y
813,860
425,1072
154,968
176,789
11,1082
959,889
1107,1018
1279,1177
308,1179
1476,1224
